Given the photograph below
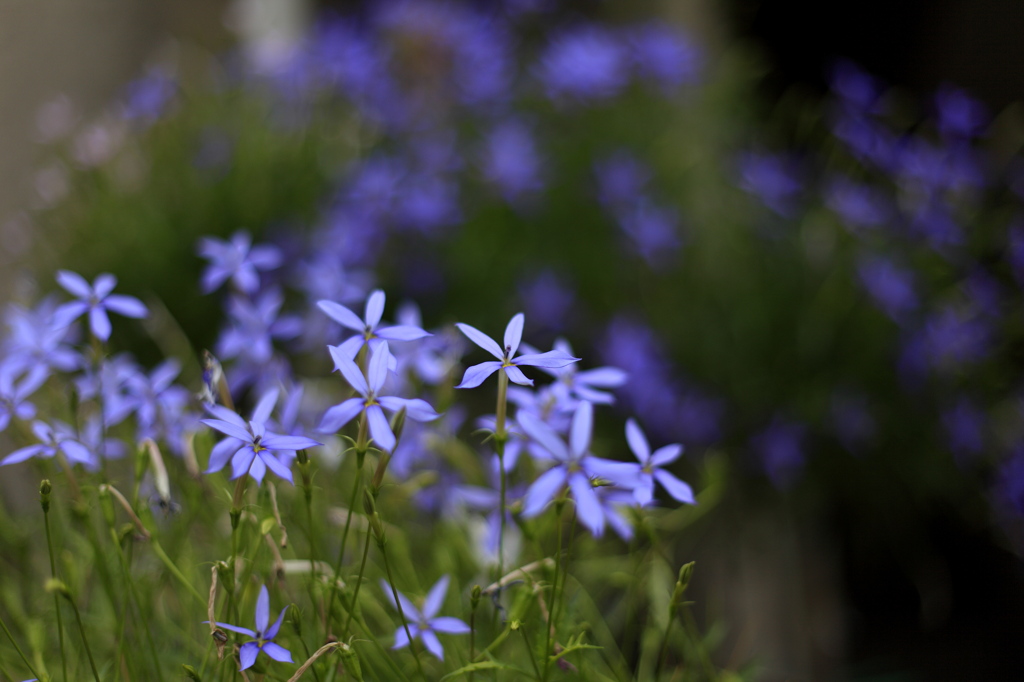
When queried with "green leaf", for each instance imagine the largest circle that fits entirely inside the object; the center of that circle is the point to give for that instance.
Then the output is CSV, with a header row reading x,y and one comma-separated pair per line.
x,y
484,665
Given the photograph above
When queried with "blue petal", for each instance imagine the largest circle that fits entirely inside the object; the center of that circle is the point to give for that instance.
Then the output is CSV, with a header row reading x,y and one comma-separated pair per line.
x,y
247,655
476,374
482,340
277,652
543,489
588,507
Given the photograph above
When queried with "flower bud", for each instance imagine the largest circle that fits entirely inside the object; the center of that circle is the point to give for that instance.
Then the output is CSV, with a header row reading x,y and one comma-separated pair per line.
x,y
57,586
350,660
398,424
378,475
302,457
191,673
295,618
44,494
107,506
474,597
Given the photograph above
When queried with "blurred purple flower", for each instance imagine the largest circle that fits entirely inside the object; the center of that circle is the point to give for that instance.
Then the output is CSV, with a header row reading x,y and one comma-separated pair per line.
x,y
254,325
51,441
14,394
237,260
146,99
858,206
959,115
954,338
964,427
852,420
653,232
771,178
651,464
663,55
856,89
584,63
935,224
511,160
424,624
621,178
780,451
367,331
95,300
548,299
891,287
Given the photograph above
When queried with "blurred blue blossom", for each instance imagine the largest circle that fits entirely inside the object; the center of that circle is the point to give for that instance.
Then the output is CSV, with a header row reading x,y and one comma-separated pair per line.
x,y
891,287
772,178
147,98
663,55
54,439
964,425
425,623
511,160
95,300
237,260
583,63
780,450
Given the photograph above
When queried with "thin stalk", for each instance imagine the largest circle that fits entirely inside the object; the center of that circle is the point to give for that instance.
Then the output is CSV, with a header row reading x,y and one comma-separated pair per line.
x,y
18,649
401,614
45,494
554,591
81,629
500,436
134,596
663,650
348,521
529,650
359,582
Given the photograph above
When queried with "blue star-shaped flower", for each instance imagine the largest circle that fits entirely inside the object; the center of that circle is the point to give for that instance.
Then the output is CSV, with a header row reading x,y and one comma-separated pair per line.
x,y
263,635
424,624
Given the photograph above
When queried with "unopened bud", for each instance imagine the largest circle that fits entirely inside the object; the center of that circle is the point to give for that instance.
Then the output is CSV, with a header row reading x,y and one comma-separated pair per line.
x,y
398,424
685,573
57,586
107,505
474,597
302,458
295,618
191,673
350,660
378,475
369,506
44,494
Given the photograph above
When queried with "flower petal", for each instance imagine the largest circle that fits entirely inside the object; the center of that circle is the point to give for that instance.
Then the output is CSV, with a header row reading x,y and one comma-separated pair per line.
x,y
339,415
271,632
402,332
374,308
516,375
222,452
588,507
129,306
233,628
247,655
666,455
582,426
415,408
265,406
103,285
263,609
377,372
342,315
74,283
514,333
353,375
68,313
432,644
21,454
477,374
602,377
277,441
241,462
637,441
543,489
277,652
553,359
482,340
275,465
99,323
380,430
643,491
449,625
258,470
543,434
400,638
229,429
435,598
676,488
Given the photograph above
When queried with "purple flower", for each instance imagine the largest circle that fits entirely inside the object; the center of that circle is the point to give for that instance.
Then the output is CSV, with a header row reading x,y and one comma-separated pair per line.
x,y
890,286
780,450
371,401
964,426
859,206
507,361
856,89
511,161
959,114
586,384
254,324
236,260
621,178
852,420
52,441
650,468
263,635
548,299
249,446
954,338
771,178
14,396
95,300
663,55
367,327
36,340
653,231
147,98
585,63
426,623
575,467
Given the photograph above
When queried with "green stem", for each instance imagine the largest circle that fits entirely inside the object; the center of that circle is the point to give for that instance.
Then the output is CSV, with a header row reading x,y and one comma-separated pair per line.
x,y
344,535
405,624
663,650
529,650
554,590
18,649
500,436
134,596
85,642
359,582
53,574
175,571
